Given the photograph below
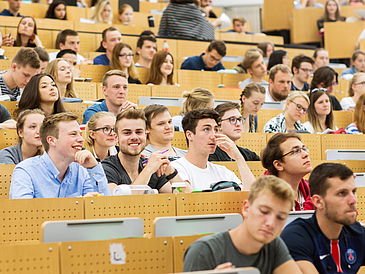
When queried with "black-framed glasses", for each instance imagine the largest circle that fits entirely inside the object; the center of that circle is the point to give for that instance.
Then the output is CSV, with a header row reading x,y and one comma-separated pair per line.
x,y
106,130
126,55
296,151
300,107
360,83
233,120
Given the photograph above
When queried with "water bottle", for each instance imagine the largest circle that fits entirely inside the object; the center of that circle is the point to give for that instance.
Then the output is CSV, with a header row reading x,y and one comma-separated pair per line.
x,y
165,46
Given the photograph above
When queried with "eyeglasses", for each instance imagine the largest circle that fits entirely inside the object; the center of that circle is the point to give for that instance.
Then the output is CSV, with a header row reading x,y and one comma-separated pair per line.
x,y
126,55
299,107
360,83
307,70
106,130
233,120
296,151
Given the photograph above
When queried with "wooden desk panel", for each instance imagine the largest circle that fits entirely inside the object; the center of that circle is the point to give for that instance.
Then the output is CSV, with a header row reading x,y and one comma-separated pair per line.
x,y
303,25
276,14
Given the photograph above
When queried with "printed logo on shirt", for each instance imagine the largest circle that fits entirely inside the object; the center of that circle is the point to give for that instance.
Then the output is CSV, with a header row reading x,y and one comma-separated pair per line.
x,y
350,256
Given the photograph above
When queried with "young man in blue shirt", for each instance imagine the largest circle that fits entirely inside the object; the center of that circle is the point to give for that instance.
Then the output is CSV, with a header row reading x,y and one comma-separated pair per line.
x,y
14,7
111,37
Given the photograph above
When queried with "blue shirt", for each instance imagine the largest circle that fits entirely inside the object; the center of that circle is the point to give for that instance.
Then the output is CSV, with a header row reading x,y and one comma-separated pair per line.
x,y
92,110
37,177
351,70
6,12
101,60
197,63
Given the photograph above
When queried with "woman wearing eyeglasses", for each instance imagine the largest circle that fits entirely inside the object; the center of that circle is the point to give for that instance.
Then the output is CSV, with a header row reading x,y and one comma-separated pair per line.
x,y
296,106
356,88
320,114
100,136
122,59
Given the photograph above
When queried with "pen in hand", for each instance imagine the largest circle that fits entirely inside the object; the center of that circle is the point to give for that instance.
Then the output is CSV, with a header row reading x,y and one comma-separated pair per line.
x,y
145,161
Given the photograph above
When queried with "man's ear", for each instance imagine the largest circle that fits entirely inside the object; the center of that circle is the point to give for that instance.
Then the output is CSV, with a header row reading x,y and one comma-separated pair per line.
x,y
318,201
62,46
138,50
278,165
104,44
189,134
249,71
14,66
295,70
51,141
245,207
104,90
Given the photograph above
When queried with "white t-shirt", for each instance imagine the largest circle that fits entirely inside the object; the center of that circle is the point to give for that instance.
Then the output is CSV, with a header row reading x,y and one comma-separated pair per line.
x,y
202,178
347,102
52,56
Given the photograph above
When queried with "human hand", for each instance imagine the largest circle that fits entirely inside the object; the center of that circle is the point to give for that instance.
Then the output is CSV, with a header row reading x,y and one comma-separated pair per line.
x,y
129,105
35,40
85,159
157,163
86,62
8,41
228,146
224,266
91,194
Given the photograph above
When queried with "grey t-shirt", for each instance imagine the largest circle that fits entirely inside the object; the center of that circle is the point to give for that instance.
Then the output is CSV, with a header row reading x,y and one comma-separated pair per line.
x,y
11,155
213,250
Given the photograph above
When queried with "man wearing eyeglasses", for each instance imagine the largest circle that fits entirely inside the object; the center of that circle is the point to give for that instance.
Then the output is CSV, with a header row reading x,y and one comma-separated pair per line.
x,y
231,126
111,37
302,68
115,89
208,61
201,132
286,157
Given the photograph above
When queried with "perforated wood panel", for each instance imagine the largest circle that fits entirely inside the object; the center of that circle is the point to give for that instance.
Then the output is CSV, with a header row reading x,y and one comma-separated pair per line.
x,y
226,93
360,204
147,207
136,91
343,118
11,106
253,141
5,178
276,14
190,48
210,203
143,74
46,37
53,24
256,168
94,72
181,244
237,37
237,49
90,39
5,64
10,51
190,79
75,13
341,141
231,165
21,220
86,90
354,165
8,137
34,10
264,115
304,25
142,256
167,91
232,80
179,140
32,258
77,108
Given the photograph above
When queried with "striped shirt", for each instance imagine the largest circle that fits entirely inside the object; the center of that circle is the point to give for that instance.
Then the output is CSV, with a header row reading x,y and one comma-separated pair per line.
x,y
185,21
5,90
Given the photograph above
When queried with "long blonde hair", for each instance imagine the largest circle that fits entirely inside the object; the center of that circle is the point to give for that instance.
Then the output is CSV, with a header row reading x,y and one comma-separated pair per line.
x,y
91,125
52,69
99,7
115,63
353,81
197,98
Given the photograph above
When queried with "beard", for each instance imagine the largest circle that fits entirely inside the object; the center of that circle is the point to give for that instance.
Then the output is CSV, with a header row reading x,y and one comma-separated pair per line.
x,y
279,96
332,214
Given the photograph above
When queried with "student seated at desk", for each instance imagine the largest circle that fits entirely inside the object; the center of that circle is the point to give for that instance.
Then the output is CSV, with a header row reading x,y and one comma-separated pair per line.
x,y
320,58
239,26
357,63
125,14
267,48
162,69
307,4
352,2
331,14
103,12
320,113
14,7
57,10
358,126
254,64
30,145
27,33
356,88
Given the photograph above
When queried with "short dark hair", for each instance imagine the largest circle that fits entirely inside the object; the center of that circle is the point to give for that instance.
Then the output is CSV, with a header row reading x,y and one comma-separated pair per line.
x,y
299,59
112,28
61,37
143,38
224,107
273,152
323,75
65,51
42,54
276,57
152,111
130,114
318,183
191,119
315,53
219,46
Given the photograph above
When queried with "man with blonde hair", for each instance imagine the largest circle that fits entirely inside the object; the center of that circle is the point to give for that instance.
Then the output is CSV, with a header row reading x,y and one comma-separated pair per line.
x,y
115,89
255,241
64,169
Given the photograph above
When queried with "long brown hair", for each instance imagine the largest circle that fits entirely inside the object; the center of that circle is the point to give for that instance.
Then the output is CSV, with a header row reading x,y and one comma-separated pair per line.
x,y
156,76
18,39
313,116
115,63
337,14
359,116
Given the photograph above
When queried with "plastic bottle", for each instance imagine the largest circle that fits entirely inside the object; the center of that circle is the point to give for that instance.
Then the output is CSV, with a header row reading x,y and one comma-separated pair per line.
x,y
165,46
